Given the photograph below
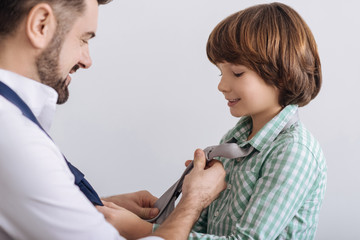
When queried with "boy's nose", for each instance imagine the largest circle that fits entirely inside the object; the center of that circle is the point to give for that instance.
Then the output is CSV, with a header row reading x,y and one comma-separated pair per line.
x,y
223,86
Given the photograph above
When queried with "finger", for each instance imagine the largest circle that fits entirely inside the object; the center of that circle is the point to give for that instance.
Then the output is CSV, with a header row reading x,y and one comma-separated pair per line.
x,y
216,166
102,209
111,205
152,199
199,159
212,162
217,169
147,199
187,163
148,213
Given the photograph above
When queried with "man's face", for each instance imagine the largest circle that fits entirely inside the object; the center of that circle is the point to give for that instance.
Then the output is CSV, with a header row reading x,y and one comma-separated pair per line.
x,y
68,52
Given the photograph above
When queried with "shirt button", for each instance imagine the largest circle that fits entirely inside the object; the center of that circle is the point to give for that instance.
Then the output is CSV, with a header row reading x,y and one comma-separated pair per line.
x,y
216,213
229,186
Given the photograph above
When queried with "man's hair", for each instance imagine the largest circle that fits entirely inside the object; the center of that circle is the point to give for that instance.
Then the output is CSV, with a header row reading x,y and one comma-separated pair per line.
x,y
12,12
275,42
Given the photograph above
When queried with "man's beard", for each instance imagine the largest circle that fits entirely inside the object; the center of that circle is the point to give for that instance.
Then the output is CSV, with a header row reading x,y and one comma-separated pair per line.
x,y
48,68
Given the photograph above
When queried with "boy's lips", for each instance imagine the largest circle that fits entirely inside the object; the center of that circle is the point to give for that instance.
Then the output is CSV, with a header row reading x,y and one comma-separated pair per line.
x,y
233,102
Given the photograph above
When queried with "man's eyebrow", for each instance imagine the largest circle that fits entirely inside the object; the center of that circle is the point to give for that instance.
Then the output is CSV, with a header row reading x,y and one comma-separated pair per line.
x,y
89,35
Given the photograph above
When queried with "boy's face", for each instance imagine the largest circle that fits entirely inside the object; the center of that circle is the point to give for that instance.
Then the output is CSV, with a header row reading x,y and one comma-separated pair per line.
x,y
246,92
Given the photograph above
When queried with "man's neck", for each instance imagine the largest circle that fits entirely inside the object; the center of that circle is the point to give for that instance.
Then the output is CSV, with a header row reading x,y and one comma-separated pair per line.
x,y
15,57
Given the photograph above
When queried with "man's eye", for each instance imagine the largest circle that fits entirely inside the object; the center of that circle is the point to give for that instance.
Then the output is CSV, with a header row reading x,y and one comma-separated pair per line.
x,y
220,74
238,74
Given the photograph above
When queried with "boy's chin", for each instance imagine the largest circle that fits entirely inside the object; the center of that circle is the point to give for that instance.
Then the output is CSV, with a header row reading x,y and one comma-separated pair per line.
x,y
236,114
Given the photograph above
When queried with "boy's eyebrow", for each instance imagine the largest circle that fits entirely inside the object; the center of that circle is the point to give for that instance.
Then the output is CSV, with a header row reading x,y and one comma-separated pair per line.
x,y
89,35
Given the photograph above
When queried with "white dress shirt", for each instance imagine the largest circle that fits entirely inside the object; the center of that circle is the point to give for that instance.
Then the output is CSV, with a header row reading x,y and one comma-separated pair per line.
x,y
38,197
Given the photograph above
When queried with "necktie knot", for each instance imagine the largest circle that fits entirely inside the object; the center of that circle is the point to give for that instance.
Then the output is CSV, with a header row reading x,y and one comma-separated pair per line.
x,y
227,150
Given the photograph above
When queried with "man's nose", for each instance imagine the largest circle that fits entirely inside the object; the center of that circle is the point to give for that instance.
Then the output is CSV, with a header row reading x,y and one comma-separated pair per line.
x,y
85,59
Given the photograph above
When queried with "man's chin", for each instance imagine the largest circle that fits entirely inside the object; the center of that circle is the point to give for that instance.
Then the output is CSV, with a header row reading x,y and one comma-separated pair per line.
x,y
63,96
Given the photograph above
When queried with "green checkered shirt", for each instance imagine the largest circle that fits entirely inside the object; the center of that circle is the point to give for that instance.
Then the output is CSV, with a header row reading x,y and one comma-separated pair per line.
x,y
273,193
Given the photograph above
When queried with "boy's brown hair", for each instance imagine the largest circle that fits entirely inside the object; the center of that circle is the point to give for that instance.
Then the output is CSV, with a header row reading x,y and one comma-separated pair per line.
x,y
275,42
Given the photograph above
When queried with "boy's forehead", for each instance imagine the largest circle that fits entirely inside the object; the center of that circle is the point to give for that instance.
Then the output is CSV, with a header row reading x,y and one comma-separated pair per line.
x,y
229,64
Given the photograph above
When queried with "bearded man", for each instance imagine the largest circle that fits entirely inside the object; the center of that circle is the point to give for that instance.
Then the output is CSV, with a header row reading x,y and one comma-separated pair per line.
x,y
43,196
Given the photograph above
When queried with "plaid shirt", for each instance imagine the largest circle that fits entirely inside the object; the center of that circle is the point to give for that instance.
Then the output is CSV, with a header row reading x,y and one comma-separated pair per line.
x,y
273,193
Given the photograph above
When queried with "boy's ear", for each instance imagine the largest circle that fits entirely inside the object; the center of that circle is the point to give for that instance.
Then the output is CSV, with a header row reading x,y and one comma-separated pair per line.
x,y
40,25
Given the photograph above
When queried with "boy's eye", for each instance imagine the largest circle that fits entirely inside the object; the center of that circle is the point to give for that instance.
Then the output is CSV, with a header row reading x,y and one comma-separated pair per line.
x,y
220,74
238,74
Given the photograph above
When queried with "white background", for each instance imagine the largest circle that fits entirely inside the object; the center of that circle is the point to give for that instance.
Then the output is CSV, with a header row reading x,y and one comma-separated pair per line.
x,y
151,99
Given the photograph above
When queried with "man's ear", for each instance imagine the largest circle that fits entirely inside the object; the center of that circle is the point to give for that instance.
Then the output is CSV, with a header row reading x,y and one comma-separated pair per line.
x,y
40,25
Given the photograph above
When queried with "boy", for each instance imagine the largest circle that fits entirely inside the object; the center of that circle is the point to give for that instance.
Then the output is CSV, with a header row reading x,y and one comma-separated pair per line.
x,y
269,66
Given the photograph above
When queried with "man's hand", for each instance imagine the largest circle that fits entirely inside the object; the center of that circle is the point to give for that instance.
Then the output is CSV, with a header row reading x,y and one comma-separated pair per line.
x,y
127,223
201,186
141,203
204,183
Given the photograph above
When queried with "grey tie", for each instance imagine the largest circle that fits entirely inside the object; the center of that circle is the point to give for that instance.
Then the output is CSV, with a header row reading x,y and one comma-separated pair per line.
x,y
166,203
230,149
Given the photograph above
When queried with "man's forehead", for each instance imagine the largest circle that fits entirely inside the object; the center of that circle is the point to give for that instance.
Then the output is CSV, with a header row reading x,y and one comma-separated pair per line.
x,y
86,23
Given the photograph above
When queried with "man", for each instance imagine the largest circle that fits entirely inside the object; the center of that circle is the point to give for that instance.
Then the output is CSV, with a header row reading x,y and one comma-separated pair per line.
x,y
42,195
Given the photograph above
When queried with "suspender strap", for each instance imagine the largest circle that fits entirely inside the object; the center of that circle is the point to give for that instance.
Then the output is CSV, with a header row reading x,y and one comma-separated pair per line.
x,y
80,181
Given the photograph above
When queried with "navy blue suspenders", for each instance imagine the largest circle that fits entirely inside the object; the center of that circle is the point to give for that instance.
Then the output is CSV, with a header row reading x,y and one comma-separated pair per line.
x,y
80,181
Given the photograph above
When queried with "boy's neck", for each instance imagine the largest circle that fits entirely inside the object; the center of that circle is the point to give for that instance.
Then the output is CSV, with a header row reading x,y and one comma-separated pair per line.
x,y
259,120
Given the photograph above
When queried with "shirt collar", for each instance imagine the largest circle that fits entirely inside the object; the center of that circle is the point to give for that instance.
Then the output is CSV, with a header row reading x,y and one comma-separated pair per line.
x,y
40,98
267,134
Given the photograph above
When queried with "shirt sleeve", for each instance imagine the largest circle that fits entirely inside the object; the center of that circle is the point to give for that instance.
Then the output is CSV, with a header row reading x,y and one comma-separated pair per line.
x,y
287,176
